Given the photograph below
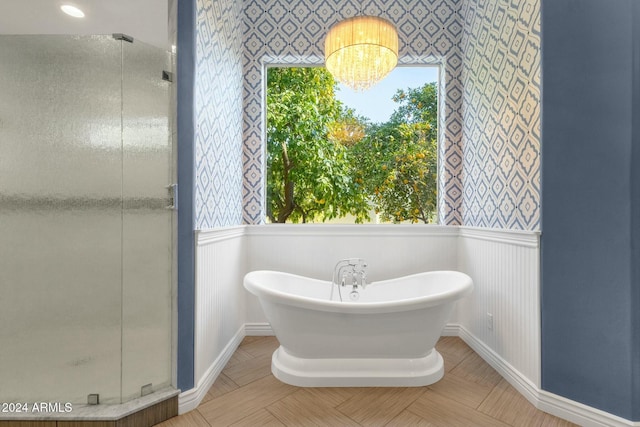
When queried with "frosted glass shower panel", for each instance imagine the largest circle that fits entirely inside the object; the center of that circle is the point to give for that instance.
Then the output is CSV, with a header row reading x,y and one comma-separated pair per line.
x,y
147,223
60,218
86,236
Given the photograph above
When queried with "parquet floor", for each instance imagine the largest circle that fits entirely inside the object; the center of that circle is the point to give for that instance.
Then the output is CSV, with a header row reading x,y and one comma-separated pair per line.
x,y
470,394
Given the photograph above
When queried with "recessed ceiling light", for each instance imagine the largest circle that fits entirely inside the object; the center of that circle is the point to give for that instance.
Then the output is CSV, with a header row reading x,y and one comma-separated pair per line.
x,y
72,11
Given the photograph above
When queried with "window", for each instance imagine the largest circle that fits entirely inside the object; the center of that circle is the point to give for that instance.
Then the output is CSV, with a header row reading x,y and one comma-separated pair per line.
x,y
339,156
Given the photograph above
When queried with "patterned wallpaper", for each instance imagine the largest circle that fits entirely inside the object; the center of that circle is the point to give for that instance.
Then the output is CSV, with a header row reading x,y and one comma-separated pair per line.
x,y
489,53
501,113
292,32
218,109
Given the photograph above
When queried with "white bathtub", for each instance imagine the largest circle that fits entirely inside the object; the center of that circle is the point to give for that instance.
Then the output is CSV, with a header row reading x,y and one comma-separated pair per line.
x,y
386,338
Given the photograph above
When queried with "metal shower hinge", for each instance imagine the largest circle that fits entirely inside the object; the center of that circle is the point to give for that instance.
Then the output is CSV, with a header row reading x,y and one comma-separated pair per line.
x,y
93,399
173,196
120,36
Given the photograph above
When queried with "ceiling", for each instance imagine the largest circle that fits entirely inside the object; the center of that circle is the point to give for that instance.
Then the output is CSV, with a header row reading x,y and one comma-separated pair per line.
x,y
145,20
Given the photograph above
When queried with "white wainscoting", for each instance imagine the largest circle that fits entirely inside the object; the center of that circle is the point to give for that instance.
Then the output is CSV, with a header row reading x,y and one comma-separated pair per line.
x,y
221,263
504,265
313,250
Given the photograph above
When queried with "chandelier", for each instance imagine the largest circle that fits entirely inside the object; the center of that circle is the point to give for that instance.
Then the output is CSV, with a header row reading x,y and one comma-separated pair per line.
x,y
361,51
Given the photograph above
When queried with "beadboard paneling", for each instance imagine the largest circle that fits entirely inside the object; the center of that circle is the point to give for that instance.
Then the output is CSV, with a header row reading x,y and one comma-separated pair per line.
x,y
503,264
505,268
220,312
313,251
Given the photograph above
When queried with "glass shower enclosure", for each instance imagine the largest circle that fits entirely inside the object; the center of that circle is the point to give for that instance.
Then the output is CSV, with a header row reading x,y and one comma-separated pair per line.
x,y
86,219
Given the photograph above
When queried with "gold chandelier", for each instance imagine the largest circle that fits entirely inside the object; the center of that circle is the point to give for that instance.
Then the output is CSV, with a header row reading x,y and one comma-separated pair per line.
x,y
361,51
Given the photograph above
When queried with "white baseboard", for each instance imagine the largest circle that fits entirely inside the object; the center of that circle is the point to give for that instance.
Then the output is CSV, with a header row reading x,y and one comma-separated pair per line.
x,y
258,329
190,399
578,413
524,386
451,330
553,404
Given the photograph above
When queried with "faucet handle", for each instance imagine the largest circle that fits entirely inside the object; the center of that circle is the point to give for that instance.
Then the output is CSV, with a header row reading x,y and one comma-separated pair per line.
x,y
343,279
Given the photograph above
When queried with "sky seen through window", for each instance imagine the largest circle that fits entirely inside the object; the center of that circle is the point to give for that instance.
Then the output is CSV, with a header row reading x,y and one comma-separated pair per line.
x,y
376,103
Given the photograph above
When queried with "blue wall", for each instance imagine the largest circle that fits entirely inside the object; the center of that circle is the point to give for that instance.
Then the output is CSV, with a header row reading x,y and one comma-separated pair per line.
x,y
590,223
186,256
635,209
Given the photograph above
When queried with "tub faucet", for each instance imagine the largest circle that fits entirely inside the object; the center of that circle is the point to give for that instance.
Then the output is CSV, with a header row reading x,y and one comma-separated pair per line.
x,y
350,272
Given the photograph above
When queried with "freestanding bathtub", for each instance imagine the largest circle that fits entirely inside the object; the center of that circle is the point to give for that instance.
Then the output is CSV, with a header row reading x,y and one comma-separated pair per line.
x,y
386,338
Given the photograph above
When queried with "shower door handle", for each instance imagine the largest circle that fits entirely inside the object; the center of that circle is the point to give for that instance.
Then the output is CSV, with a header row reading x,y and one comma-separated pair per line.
x,y
173,196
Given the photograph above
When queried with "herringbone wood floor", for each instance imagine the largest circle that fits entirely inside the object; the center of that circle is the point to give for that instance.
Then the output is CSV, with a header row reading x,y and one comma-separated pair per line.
x,y
470,394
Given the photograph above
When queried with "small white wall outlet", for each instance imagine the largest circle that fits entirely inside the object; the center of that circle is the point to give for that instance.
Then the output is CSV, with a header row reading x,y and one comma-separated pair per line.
x,y
490,321
146,389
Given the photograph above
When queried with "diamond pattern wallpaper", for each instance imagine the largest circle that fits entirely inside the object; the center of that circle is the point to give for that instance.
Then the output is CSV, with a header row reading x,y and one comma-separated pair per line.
x,y
489,56
218,107
501,114
292,32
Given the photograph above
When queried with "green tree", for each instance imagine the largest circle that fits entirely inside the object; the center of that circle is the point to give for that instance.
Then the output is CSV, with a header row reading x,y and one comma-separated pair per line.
x,y
398,159
309,166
